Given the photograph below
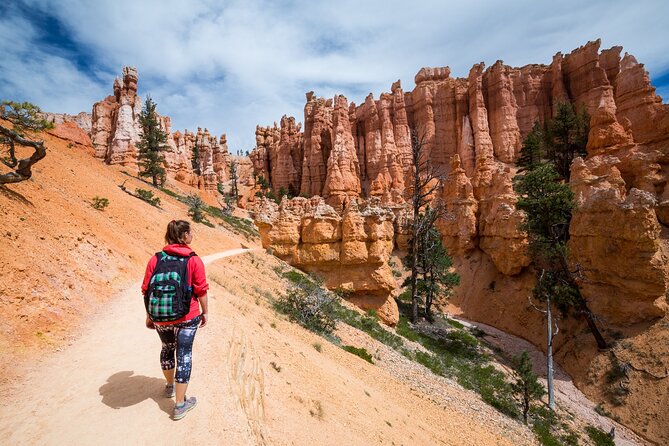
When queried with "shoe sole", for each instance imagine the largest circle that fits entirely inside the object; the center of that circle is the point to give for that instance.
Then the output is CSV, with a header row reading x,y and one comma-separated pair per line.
x,y
183,414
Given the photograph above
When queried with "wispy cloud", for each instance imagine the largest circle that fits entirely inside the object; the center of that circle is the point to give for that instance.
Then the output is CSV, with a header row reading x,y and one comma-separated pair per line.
x,y
231,65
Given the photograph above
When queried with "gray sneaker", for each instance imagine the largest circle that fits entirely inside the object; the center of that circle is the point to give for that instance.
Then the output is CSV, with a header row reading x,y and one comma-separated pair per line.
x,y
180,412
169,391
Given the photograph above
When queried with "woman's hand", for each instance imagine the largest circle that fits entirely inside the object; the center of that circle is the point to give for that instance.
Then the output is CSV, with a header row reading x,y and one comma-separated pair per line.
x,y
203,319
149,323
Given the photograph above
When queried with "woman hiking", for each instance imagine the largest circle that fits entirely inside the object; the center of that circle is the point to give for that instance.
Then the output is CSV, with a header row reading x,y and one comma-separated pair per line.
x,y
176,312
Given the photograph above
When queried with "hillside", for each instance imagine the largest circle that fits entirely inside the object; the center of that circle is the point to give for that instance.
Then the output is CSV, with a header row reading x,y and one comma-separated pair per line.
x,y
75,347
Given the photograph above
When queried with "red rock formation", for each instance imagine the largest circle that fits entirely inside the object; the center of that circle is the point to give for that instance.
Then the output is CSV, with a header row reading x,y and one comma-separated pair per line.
x,y
115,131
473,128
278,155
115,127
350,251
83,120
343,174
459,226
317,144
615,237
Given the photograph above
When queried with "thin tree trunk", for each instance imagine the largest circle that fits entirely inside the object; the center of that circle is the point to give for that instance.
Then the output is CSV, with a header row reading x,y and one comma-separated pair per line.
x,y
549,355
414,282
590,319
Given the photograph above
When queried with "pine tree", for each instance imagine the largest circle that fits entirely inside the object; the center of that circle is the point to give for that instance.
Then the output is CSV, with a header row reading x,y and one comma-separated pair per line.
x,y
234,191
195,158
427,180
153,142
567,137
531,151
434,266
548,203
526,387
196,209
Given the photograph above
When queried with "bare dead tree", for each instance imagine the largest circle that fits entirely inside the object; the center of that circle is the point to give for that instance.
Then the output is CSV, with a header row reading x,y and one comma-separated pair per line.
x,y
427,180
550,335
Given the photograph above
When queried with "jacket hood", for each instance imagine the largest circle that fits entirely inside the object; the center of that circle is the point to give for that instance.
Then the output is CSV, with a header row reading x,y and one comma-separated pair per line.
x,y
179,250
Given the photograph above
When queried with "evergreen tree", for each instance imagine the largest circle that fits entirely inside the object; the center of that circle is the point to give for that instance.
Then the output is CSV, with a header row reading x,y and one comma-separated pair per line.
x,y
426,181
548,204
531,152
234,191
195,158
434,275
153,142
196,209
567,137
526,386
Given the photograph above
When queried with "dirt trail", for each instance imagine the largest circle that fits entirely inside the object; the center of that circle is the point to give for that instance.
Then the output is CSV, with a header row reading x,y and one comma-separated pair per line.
x,y
58,402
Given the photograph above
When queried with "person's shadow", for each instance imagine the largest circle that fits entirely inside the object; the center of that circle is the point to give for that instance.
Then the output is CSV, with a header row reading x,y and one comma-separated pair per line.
x,y
124,389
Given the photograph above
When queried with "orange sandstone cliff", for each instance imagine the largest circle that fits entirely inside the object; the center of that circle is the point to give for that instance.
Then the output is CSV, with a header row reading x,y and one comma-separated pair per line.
x,y
473,128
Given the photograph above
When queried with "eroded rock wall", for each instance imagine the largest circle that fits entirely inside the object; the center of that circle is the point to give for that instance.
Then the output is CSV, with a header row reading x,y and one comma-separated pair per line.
x,y
349,249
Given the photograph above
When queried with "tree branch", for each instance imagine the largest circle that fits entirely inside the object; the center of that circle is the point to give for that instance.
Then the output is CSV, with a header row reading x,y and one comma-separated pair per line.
x,y
23,171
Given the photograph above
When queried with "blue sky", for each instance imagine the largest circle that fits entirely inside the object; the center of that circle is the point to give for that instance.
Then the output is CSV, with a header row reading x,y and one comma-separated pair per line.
x,y
229,65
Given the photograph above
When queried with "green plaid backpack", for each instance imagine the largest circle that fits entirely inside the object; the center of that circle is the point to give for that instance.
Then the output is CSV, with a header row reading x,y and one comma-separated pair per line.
x,y
169,294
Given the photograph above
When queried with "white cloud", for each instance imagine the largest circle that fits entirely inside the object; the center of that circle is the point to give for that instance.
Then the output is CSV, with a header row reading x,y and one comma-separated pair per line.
x,y
231,65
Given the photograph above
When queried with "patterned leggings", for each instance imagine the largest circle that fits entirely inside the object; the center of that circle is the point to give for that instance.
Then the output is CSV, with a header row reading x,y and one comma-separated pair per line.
x,y
178,338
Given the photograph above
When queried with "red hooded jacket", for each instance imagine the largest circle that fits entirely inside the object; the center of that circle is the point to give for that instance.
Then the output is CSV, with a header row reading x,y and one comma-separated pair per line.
x,y
196,278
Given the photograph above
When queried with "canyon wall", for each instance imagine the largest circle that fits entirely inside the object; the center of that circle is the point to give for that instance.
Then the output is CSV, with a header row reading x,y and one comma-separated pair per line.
x,y
473,130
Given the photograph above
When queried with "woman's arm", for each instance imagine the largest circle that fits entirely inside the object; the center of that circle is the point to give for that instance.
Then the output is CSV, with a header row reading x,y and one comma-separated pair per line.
x,y
204,306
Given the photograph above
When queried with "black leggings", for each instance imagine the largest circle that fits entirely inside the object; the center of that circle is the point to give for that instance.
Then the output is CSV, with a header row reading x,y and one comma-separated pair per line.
x,y
178,338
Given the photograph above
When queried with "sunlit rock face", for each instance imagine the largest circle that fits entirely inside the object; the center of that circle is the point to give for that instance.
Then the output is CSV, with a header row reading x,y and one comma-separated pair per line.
x,y
472,129
349,250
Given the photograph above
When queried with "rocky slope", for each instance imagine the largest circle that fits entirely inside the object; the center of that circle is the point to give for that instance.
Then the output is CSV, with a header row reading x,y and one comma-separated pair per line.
x,y
473,128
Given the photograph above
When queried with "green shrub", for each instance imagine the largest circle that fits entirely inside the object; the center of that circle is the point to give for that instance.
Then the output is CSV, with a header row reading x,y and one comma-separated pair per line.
x,y
196,208
403,329
359,351
147,195
599,437
99,203
309,304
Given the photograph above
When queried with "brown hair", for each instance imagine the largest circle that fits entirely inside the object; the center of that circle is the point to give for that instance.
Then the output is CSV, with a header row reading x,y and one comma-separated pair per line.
x,y
176,229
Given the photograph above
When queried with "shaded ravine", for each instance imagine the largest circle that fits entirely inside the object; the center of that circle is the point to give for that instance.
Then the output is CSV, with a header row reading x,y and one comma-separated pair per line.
x,y
567,395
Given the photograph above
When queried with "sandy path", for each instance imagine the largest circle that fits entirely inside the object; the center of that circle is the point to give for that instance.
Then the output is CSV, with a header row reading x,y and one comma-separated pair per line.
x,y
104,388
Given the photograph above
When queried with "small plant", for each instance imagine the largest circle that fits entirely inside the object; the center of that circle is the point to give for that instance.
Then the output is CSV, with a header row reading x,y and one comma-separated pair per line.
x,y
317,346
147,195
99,203
196,209
526,388
317,411
309,304
599,437
275,366
359,351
